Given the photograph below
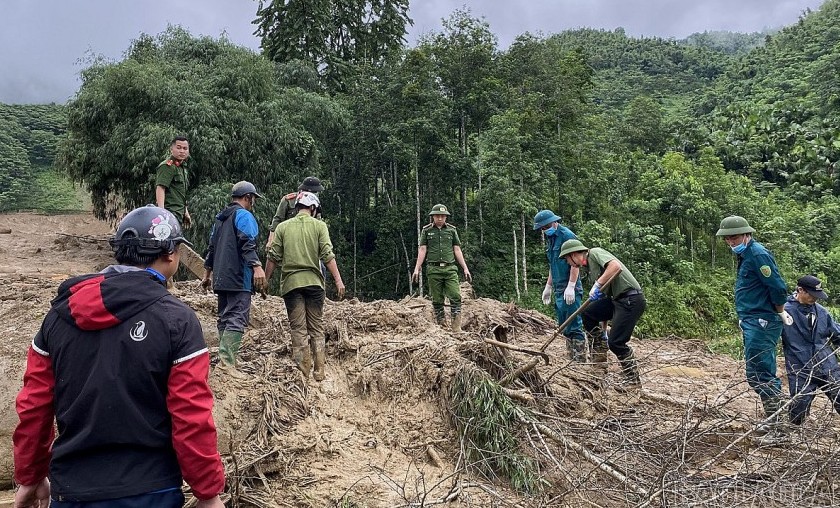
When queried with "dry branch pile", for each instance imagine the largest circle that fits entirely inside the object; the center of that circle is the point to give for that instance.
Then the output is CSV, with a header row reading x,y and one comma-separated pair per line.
x,y
412,415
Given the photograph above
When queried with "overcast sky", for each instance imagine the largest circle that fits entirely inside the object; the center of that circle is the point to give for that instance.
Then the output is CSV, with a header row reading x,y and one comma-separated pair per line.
x,y
44,42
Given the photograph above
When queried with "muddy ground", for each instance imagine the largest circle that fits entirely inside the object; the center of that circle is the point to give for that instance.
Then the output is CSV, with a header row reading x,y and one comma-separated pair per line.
x,y
379,431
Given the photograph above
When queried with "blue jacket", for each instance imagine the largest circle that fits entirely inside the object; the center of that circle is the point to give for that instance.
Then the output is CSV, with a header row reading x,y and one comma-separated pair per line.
x,y
232,252
810,341
558,266
759,286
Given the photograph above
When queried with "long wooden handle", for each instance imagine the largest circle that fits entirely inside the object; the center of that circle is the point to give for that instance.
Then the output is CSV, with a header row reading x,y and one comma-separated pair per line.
x,y
575,314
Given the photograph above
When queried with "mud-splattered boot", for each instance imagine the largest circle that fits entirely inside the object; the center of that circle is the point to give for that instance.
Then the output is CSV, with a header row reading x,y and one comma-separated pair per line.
x,y
302,357
630,379
456,323
774,430
320,360
577,349
229,343
440,316
598,351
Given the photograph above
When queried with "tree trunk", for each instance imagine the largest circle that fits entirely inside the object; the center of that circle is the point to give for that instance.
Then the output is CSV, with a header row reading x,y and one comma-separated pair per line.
x,y
516,265
464,201
480,207
355,242
419,224
524,257
713,245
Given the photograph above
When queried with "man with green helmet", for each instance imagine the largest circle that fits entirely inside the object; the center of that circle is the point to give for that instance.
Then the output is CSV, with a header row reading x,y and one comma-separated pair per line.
x,y
621,302
563,282
440,247
760,296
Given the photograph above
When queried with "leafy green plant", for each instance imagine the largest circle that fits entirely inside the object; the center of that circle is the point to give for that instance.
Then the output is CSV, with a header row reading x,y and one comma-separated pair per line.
x,y
488,422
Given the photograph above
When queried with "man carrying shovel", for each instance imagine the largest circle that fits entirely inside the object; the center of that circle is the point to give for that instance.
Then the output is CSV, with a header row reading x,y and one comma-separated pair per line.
x,y
620,301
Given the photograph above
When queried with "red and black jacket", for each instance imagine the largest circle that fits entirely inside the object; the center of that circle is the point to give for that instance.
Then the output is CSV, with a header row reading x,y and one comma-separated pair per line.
x,y
122,366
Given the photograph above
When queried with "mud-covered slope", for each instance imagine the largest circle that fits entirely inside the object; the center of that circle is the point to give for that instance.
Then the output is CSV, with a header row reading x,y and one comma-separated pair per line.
x,y
381,430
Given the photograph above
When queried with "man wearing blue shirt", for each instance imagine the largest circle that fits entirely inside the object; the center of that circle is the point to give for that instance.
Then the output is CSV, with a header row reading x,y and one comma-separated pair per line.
x,y
760,296
236,270
563,281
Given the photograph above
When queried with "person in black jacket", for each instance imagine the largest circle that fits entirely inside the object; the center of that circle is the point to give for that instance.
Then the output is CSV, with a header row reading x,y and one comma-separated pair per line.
x,y
810,344
121,366
235,268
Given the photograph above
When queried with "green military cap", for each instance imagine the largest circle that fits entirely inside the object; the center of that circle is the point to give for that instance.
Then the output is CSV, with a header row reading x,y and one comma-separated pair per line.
x,y
734,225
439,210
570,247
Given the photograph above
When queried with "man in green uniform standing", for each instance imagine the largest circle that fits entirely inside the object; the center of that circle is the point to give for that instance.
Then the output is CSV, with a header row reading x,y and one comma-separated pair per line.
x,y
286,209
760,296
171,181
298,248
440,247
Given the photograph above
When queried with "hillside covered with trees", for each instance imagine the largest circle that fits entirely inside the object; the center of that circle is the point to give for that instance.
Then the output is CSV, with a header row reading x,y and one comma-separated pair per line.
x,y
642,145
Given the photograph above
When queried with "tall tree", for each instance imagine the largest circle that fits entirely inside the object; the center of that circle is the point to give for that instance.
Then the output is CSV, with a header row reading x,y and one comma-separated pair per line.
x,y
226,99
334,36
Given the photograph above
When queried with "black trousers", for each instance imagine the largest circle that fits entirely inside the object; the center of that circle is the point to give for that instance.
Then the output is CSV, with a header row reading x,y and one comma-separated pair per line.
x,y
623,312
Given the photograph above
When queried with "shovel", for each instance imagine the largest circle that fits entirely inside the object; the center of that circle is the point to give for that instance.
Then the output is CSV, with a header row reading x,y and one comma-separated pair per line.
x,y
575,314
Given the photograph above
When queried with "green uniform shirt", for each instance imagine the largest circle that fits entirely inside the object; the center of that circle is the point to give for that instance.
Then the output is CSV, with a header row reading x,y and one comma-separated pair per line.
x,y
173,177
624,281
440,243
299,245
286,210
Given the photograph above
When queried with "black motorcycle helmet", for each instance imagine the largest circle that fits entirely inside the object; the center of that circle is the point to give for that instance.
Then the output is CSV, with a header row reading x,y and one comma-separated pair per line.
x,y
151,229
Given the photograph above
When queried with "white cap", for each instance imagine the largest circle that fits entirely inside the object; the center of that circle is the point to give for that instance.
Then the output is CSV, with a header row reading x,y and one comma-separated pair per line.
x,y
307,199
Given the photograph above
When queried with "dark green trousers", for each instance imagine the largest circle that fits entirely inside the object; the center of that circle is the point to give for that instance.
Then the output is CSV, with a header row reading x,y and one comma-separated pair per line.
x,y
444,283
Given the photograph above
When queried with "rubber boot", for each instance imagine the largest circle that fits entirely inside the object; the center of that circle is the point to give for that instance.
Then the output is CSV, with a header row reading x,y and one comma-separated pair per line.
x,y
774,427
576,349
456,323
229,343
598,351
302,356
570,349
320,360
630,379
440,317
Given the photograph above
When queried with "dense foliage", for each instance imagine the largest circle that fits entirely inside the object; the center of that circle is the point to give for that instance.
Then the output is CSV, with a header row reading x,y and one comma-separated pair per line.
x,y
641,145
29,137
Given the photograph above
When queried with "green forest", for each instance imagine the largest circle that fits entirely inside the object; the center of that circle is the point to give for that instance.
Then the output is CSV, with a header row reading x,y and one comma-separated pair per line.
x,y
641,145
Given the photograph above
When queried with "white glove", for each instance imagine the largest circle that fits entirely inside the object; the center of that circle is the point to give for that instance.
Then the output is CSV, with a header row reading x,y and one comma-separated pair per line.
x,y
569,293
786,318
546,294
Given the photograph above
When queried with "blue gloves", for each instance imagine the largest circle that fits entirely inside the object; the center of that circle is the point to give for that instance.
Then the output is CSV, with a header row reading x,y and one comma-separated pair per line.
x,y
595,293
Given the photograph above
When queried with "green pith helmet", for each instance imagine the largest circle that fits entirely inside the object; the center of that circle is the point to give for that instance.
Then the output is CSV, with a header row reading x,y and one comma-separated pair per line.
x,y
734,225
439,210
570,247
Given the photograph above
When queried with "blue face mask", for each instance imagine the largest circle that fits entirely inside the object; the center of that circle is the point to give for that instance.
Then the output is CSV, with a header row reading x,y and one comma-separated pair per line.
x,y
551,231
741,247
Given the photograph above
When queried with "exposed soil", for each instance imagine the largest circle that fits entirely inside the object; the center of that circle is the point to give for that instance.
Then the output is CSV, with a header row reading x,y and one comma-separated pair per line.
x,y
379,430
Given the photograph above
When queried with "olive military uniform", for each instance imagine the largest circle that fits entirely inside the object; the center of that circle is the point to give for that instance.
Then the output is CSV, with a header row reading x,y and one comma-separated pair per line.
x,y
441,268
285,210
172,176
